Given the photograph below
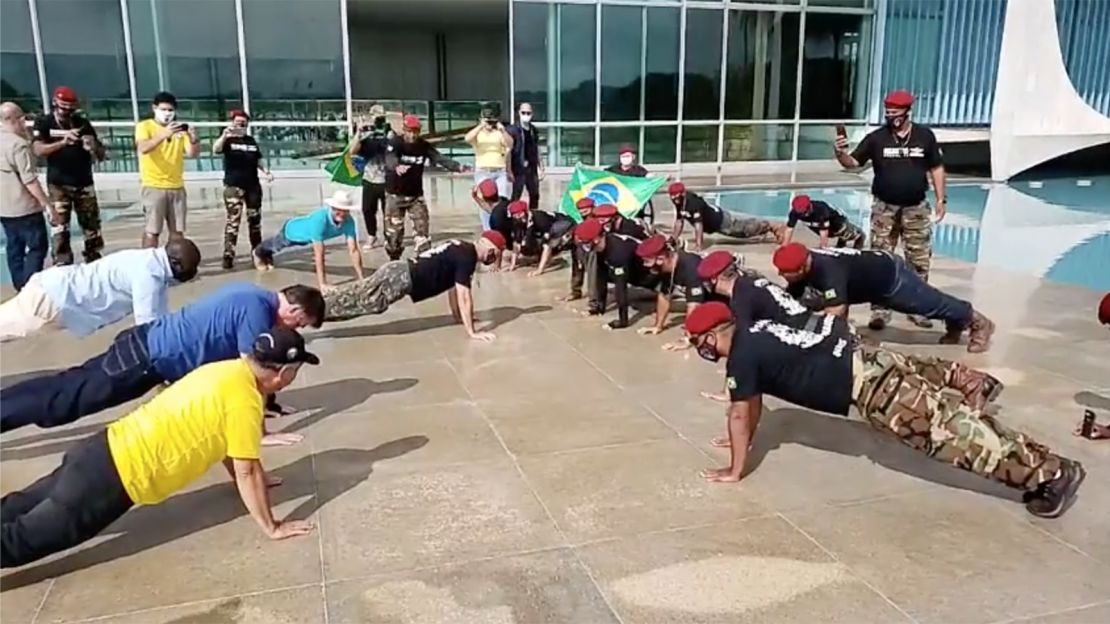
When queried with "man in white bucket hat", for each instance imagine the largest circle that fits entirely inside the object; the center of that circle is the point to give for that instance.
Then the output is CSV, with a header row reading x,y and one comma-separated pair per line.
x,y
315,228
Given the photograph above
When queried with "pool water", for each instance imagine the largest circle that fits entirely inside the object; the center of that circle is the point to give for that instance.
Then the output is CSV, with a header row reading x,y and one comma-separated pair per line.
x,y
1057,229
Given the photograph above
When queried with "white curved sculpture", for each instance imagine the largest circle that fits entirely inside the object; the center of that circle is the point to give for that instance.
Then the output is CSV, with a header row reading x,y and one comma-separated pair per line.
x,y
1038,115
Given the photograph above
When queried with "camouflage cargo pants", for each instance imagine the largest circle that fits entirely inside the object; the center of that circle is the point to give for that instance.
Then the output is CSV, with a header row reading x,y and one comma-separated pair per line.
x,y
850,236
236,202
736,226
913,226
902,395
68,200
396,208
373,295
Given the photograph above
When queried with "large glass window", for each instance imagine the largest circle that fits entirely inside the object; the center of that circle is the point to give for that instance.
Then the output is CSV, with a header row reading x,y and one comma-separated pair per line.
x,y
621,55
762,65
190,49
699,144
835,66
575,75
661,65
569,146
530,56
295,59
613,138
759,142
659,145
20,80
555,61
82,44
702,92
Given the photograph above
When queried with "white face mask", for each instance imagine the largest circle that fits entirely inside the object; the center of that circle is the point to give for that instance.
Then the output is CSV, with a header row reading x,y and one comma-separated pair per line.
x,y
164,116
526,118
627,159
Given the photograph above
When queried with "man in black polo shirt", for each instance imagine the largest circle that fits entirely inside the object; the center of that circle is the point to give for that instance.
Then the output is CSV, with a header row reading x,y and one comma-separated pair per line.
x,y
827,369
450,265
838,278
69,144
616,262
524,159
825,221
905,156
677,271
242,190
709,219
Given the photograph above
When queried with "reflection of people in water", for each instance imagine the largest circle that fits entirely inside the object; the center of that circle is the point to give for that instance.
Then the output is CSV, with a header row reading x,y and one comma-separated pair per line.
x,y
1099,431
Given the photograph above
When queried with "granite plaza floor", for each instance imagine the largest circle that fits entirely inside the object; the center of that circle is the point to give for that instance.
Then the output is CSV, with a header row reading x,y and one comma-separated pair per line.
x,y
551,476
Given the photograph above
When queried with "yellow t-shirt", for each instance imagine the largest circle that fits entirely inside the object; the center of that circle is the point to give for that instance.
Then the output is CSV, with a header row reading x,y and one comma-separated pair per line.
x,y
164,166
489,152
212,413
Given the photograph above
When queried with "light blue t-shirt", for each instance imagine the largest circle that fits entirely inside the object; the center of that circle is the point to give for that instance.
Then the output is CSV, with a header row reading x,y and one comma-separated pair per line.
x,y
317,227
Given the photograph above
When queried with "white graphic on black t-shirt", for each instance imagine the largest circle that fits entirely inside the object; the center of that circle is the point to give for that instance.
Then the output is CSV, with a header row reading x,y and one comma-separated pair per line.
x,y
801,338
786,303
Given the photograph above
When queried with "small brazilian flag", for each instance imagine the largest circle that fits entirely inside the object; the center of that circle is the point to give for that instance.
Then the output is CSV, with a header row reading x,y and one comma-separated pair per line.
x,y
627,193
346,168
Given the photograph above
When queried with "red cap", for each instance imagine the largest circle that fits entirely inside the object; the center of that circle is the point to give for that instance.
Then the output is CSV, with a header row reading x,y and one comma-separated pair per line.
x,y
495,237
707,316
65,94
626,149
898,99
1104,310
651,247
584,204
412,122
790,258
235,112
605,211
587,231
487,189
517,207
800,203
714,264
676,188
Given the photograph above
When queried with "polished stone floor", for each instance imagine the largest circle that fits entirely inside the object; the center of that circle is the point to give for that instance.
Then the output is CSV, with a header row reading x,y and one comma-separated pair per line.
x,y
551,476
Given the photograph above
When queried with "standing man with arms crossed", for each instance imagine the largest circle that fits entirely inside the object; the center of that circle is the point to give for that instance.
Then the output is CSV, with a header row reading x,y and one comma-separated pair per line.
x,y
905,156
22,200
69,144
242,162
524,158
163,144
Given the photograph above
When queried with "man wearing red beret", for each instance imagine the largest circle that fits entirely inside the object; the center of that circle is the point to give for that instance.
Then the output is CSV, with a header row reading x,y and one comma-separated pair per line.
x,y
825,221
751,296
826,368
449,265
613,221
709,219
616,262
583,266
841,277
677,271
488,198
511,221
552,234
627,166
905,156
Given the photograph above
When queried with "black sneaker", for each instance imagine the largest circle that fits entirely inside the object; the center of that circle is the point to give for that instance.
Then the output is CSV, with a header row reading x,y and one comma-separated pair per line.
x,y
877,322
276,410
229,262
1052,498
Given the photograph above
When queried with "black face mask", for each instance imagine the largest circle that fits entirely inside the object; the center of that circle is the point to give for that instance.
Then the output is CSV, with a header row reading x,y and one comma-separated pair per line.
x,y
379,122
896,122
707,350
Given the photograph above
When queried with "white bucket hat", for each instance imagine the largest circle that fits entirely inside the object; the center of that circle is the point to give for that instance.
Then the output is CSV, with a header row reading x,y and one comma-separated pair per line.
x,y
341,200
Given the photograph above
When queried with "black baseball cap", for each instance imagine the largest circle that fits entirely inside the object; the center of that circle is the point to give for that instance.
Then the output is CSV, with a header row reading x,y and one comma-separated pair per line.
x,y
281,346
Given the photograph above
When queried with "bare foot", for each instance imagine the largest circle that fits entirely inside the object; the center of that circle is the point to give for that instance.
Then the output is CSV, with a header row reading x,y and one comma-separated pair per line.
x,y
719,397
720,442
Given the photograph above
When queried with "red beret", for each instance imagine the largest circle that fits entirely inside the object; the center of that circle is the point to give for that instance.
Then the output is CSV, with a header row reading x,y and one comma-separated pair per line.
x,y
707,316
584,203
495,237
605,211
517,207
800,203
626,149
898,99
714,264
676,188
790,258
587,231
235,112
651,247
65,94
412,122
487,188
1104,310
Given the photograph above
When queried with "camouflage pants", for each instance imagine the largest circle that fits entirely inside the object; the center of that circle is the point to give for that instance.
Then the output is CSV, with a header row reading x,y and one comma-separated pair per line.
x,y
745,227
235,201
850,236
81,200
902,395
396,207
373,295
912,225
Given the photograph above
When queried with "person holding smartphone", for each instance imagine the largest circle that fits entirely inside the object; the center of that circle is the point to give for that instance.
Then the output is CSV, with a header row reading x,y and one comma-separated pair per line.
x,y
492,144
163,143
242,190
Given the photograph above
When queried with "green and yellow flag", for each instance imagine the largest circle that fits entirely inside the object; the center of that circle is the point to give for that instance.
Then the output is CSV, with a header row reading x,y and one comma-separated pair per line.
x,y
627,193
346,168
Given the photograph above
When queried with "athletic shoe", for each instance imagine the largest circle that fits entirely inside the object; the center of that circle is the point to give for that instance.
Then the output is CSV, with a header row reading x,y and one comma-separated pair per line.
x,y
1052,498
920,321
229,262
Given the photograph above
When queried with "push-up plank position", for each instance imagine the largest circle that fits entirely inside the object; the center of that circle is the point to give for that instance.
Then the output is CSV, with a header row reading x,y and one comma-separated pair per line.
x,y
552,234
677,271
617,262
825,221
709,219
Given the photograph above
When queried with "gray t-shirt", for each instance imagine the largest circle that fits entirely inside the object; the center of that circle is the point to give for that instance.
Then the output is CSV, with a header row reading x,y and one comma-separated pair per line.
x,y
17,168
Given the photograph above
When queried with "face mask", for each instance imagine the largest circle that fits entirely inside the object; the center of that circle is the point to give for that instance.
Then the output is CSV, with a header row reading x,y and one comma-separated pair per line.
x,y
63,113
708,349
627,160
526,118
164,116
895,122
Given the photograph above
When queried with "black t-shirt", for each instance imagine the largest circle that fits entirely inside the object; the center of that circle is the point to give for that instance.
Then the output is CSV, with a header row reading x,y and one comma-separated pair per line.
x,y
551,229
685,281
438,269
900,164
416,155
635,171
501,221
758,299
695,210
624,267
628,227
847,276
821,216
810,367
241,158
71,165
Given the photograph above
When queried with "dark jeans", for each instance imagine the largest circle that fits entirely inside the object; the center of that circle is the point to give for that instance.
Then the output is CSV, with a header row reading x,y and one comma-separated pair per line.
x,y
27,241
912,295
373,197
70,505
274,245
120,374
530,179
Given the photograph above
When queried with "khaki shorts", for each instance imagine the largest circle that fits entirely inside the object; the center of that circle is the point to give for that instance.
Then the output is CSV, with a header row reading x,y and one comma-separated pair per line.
x,y
164,206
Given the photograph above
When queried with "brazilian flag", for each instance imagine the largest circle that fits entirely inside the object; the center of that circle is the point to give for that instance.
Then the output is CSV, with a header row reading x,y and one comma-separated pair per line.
x,y
346,168
627,193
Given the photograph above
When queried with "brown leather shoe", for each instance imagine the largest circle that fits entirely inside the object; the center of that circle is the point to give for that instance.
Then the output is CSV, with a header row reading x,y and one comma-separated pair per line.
x,y
951,337
979,339
979,388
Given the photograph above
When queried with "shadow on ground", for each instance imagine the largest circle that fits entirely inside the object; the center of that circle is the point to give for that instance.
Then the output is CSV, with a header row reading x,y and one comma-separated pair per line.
x,y
11,380
493,317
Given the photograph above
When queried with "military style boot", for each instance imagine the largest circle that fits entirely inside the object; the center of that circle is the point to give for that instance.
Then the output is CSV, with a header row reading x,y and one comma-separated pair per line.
x,y
979,388
979,339
879,319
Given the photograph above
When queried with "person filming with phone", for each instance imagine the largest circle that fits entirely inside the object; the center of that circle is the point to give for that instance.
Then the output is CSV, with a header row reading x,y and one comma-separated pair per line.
x,y
242,190
163,143
492,144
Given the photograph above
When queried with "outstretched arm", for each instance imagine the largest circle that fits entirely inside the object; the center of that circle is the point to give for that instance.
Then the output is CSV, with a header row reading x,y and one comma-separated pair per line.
x,y
743,419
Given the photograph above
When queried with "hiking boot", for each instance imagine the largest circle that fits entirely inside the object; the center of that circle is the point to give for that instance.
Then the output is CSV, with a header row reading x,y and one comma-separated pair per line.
x,y
1051,498
979,388
229,262
979,338
920,321
951,337
879,319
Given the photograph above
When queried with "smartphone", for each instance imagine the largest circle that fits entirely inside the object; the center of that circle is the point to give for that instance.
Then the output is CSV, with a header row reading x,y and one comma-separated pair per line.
x,y
183,127
235,131
841,131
